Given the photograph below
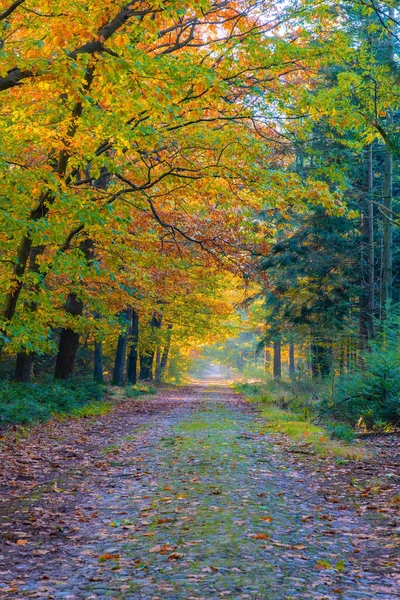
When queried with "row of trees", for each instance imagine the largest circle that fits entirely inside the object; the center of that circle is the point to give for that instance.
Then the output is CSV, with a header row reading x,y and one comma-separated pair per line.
x,y
138,142
152,150
331,278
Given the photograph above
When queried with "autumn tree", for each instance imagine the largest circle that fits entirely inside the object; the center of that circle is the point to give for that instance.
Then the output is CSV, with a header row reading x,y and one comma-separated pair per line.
x,y
127,125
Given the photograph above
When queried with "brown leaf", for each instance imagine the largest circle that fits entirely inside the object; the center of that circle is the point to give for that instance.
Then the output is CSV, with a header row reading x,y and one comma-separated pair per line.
x,y
107,556
163,549
175,556
167,520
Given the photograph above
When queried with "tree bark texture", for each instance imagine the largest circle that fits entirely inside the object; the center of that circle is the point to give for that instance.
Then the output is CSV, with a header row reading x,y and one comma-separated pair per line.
x,y
277,360
120,355
98,362
69,339
133,350
387,250
292,366
162,367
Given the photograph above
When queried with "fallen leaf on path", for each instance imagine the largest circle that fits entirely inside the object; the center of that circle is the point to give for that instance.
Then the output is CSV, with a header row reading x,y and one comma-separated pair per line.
x,y
175,556
162,549
107,556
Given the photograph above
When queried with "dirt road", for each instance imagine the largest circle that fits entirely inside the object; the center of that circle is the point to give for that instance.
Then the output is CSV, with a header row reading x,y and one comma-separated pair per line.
x,y
181,496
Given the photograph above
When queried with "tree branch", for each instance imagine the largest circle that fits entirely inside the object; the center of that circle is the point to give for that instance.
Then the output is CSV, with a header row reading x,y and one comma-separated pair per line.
x,y
6,13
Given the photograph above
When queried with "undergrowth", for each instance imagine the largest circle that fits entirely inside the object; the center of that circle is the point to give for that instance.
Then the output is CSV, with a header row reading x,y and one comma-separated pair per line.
x,y
370,396
140,389
289,408
25,403
93,409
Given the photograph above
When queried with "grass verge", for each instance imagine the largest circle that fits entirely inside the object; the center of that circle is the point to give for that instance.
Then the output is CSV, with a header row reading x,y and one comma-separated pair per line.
x,y
140,389
295,421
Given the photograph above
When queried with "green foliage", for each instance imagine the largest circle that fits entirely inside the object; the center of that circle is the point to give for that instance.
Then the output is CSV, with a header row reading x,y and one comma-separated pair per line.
x,y
93,409
298,394
289,407
24,403
341,431
177,368
241,354
371,395
134,391
251,390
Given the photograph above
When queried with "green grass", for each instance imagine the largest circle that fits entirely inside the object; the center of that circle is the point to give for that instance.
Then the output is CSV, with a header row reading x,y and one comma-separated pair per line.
x,y
200,425
295,421
94,409
316,438
140,389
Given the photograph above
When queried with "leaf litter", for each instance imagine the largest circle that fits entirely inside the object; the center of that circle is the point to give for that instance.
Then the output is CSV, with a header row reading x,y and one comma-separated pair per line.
x,y
199,504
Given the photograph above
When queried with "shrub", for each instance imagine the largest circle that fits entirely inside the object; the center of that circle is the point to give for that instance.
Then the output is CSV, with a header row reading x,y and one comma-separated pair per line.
x,y
23,403
372,393
340,431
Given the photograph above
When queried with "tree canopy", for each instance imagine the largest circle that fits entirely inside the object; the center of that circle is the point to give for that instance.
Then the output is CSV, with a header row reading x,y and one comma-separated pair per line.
x,y
153,151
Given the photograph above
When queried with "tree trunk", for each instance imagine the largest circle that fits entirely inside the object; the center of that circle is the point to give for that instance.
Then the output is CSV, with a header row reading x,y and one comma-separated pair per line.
x,y
292,367
371,245
133,351
21,261
69,339
23,367
147,359
69,342
363,295
341,359
120,355
98,362
367,258
321,359
146,367
158,365
267,359
165,354
25,358
387,251
277,360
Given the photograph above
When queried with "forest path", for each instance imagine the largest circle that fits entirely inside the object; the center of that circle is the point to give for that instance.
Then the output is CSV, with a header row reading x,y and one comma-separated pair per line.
x,y
190,500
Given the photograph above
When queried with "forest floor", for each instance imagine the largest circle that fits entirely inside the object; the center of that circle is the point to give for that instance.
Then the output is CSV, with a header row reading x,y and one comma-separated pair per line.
x,y
184,495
